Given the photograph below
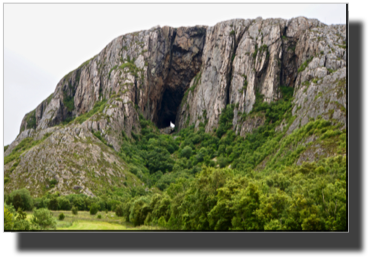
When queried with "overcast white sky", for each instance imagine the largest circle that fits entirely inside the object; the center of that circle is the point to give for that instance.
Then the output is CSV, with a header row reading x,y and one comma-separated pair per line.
x,y
43,42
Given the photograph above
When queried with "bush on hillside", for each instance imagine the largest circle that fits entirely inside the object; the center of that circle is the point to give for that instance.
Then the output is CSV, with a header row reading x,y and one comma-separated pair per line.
x,y
94,208
74,210
61,217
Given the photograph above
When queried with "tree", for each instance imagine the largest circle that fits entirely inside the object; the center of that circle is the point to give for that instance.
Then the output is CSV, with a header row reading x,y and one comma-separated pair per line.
x,y
17,201
43,219
63,203
222,161
79,203
53,204
21,198
119,211
186,152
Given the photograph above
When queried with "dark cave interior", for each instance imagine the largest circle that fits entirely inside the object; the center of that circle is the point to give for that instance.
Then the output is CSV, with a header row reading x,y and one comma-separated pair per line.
x,y
170,103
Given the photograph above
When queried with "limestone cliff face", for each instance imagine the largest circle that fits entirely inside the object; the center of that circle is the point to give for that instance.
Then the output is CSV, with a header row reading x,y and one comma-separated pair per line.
x,y
188,75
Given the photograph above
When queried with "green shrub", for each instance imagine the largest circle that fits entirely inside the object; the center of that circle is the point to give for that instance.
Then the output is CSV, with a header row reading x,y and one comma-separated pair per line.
x,y
225,120
15,220
119,211
31,121
99,216
69,103
330,70
162,221
61,217
307,84
74,210
8,219
53,183
109,73
287,92
305,64
222,162
43,219
245,84
98,108
186,152
330,133
94,208
134,170
100,137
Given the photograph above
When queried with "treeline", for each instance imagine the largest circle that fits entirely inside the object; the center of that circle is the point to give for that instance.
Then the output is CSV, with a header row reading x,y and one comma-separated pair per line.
x,y
307,197
22,199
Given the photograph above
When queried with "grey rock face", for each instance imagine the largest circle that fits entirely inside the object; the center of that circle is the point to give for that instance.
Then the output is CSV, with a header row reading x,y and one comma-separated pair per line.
x,y
326,98
245,57
150,69
210,93
189,75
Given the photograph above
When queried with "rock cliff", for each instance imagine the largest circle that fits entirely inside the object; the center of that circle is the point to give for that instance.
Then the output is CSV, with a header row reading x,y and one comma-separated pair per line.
x,y
189,75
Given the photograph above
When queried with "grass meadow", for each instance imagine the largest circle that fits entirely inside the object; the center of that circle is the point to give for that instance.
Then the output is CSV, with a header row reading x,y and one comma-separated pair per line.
x,y
85,221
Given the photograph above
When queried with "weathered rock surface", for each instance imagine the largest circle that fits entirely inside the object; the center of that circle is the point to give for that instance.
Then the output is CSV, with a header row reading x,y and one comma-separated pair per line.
x,y
189,74
244,57
74,157
185,75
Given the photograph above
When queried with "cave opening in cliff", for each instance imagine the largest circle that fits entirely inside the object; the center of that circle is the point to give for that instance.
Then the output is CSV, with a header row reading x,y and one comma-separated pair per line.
x,y
170,103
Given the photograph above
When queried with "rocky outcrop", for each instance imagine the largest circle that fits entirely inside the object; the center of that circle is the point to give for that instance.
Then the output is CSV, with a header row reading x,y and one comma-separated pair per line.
x,y
150,69
75,158
246,57
188,76
320,87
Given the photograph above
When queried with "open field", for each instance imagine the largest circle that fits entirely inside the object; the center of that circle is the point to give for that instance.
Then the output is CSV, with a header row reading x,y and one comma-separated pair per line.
x,y
92,225
85,221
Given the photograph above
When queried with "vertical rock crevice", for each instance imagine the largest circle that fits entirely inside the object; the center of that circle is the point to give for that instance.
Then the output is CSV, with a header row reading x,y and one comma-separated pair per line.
x,y
237,40
184,63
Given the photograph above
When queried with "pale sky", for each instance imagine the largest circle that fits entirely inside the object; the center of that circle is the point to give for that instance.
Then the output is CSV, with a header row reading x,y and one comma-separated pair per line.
x,y
43,42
